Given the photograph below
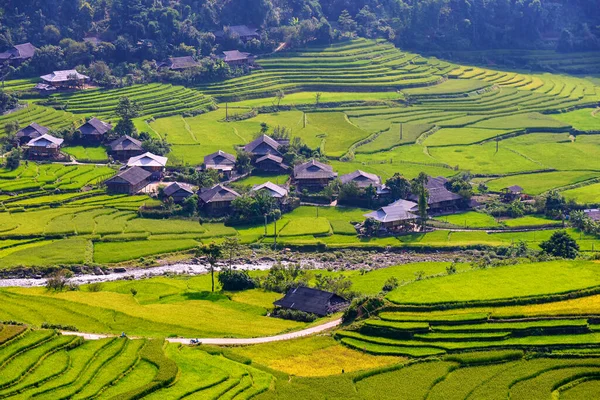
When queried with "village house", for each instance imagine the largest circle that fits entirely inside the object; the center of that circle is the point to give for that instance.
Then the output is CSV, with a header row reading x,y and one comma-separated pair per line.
x,y
399,216
18,54
263,145
272,189
94,130
217,200
271,163
45,147
178,191
151,163
313,301
512,193
66,79
31,131
244,32
179,63
362,179
128,181
440,198
220,161
593,213
313,175
125,147
236,58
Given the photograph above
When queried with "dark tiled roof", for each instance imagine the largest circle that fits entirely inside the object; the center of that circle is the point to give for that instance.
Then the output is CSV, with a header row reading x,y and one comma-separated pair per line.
x,y
263,145
19,52
219,158
218,193
126,143
182,62
363,179
177,186
33,130
515,189
314,169
271,157
240,30
310,300
438,192
95,127
133,176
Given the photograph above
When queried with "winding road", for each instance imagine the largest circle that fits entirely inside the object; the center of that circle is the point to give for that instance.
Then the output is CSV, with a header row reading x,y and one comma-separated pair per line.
x,y
229,341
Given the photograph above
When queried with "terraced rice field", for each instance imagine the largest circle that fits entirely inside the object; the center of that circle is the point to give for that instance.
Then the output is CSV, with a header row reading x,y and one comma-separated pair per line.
x,y
358,65
157,100
45,116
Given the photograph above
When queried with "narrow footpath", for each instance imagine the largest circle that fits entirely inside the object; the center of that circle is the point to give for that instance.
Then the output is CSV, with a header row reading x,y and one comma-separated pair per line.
x,y
228,341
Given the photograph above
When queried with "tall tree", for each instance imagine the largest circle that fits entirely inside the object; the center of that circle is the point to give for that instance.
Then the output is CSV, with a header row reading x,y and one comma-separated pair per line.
x,y
213,253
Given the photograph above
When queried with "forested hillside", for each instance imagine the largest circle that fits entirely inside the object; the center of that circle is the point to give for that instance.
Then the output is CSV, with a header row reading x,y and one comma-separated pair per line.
x,y
420,24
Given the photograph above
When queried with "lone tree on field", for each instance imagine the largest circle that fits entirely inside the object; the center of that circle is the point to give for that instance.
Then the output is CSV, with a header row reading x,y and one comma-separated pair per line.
x,y
318,98
561,244
279,96
419,188
127,110
232,247
213,252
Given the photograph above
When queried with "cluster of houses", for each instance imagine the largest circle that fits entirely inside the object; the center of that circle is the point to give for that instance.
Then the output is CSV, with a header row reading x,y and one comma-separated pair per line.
x,y
41,145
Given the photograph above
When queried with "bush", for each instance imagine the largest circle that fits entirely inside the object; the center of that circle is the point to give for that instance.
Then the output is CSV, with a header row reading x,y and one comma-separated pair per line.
x,y
294,315
361,307
390,284
561,245
236,280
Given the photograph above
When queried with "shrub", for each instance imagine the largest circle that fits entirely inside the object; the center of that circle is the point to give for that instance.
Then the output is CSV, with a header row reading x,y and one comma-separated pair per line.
x,y
390,284
236,280
361,307
95,287
57,281
561,245
294,315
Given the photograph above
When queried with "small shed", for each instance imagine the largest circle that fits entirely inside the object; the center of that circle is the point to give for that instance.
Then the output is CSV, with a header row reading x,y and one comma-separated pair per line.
x,y
94,129
178,191
125,147
312,301
31,131
128,181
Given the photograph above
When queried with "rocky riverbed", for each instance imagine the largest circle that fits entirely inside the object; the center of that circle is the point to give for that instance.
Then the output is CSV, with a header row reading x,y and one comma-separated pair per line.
x,y
333,260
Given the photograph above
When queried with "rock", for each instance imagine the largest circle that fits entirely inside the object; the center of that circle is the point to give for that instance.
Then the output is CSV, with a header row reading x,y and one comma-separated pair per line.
x,y
98,271
119,270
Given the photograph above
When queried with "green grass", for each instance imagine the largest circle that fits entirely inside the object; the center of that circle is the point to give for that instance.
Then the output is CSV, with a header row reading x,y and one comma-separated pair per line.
x,y
454,136
583,119
123,251
535,279
585,195
534,184
470,219
87,154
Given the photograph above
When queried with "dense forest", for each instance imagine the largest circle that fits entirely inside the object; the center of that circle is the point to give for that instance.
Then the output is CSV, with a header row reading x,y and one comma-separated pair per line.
x,y
131,31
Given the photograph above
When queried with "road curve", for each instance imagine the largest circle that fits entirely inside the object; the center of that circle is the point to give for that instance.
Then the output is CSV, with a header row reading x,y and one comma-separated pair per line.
x,y
228,341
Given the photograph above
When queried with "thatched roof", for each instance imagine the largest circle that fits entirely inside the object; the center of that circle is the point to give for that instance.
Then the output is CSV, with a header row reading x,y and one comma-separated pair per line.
x,y
311,300
132,176
361,178
147,160
95,127
126,143
47,141
273,189
263,145
32,130
177,186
